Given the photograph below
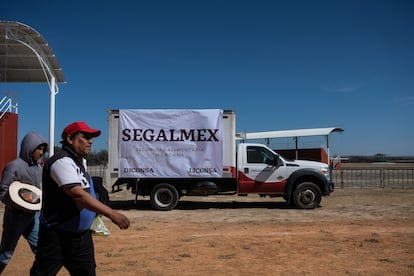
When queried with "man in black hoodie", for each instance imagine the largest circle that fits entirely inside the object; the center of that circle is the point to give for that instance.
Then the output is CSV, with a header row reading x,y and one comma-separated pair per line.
x,y
17,222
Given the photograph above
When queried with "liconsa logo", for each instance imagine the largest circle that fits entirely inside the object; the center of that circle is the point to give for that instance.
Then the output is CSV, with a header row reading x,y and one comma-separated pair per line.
x,y
139,170
202,170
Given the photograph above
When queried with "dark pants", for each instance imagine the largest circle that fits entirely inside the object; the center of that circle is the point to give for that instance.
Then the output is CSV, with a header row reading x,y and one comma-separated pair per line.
x,y
57,248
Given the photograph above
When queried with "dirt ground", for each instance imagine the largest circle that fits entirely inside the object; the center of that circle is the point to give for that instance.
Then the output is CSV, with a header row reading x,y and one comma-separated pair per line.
x,y
354,232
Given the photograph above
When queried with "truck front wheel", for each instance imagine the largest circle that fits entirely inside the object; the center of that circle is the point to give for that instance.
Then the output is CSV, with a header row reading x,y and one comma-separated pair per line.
x,y
164,197
307,195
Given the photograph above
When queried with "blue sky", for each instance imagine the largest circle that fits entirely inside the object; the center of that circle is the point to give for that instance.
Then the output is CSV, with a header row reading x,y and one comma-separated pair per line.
x,y
280,65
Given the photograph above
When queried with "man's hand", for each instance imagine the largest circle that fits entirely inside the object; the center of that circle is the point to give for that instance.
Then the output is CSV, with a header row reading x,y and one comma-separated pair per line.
x,y
119,219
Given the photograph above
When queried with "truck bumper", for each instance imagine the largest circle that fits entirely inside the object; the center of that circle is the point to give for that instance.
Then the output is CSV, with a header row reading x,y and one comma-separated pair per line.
x,y
331,186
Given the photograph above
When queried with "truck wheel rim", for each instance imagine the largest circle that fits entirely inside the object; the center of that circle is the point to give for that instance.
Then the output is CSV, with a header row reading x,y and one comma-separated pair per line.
x,y
307,196
163,197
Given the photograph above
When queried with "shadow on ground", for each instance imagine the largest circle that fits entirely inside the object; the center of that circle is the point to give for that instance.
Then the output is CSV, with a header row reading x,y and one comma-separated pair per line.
x,y
194,205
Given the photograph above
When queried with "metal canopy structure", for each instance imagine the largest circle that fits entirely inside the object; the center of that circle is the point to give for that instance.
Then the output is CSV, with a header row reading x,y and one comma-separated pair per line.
x,y
295,134
25,56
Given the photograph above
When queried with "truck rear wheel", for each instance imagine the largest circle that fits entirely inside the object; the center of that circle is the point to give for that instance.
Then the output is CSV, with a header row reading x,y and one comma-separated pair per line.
x,y
307,195
164,197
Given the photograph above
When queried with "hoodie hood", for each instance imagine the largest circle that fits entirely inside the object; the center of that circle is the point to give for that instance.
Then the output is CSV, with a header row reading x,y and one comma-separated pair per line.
x,y
30,142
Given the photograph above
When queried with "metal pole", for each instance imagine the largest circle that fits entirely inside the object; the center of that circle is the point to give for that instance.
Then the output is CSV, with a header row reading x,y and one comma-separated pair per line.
x,y
52,117
296,148
327,149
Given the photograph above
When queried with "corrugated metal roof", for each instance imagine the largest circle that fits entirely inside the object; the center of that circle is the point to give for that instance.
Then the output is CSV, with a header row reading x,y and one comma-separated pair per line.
x,y
18,62
25,56
293,133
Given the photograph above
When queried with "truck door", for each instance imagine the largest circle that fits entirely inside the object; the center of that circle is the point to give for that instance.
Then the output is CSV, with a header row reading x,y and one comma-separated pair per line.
x,y
261,171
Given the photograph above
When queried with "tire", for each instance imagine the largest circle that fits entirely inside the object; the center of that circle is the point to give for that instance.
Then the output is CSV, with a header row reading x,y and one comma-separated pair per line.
x,y
164,197
307,195
289,201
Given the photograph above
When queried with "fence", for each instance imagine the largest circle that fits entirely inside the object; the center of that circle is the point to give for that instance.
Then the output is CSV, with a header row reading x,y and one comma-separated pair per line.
x,y
397,176
101,171
392,176
7,105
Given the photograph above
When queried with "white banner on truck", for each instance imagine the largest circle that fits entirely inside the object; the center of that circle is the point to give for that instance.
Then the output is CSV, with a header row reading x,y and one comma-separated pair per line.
x,y
170,143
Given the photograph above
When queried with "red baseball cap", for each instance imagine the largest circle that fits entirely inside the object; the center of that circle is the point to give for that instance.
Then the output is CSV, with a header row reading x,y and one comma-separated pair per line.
x,y
79,127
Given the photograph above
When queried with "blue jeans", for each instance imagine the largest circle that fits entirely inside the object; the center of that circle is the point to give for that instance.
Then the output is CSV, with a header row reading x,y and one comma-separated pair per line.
x,y
18,223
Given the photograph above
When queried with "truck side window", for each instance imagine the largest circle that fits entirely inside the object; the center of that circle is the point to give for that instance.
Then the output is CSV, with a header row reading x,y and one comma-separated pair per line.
x,y
268,157
253,156
259,155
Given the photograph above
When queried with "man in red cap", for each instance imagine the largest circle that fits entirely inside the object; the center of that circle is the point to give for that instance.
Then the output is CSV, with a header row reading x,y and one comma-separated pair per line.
x,y
69,206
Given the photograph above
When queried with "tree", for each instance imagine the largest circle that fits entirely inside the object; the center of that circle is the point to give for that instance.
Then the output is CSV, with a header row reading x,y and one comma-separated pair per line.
x,y
98,158
94,158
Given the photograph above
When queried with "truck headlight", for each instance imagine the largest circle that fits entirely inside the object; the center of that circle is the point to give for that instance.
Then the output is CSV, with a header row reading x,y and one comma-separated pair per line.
x,y
326,172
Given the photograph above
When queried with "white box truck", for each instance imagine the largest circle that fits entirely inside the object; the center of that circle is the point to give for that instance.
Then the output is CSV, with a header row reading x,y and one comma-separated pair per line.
x,y
169,153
